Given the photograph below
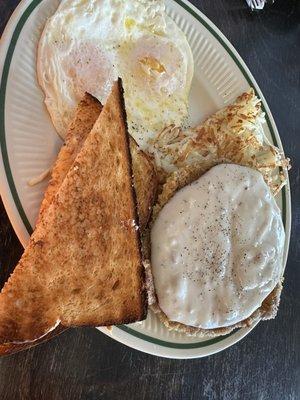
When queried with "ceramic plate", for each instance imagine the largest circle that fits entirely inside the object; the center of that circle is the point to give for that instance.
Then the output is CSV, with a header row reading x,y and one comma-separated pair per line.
x,y
29,143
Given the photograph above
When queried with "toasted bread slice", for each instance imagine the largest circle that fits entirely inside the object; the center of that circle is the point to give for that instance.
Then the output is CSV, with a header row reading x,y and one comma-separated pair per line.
x,y
83,265
269,307
144,172
87,113
145,182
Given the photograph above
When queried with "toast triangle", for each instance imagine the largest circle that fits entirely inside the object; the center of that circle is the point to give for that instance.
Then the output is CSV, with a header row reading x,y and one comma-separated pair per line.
x,y
83,265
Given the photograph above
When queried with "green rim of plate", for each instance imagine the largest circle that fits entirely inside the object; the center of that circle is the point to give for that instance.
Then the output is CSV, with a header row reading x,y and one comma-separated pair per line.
x,y
10,179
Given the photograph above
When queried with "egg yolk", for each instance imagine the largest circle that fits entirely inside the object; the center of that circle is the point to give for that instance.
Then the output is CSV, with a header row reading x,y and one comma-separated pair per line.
x,y
129,23
151,64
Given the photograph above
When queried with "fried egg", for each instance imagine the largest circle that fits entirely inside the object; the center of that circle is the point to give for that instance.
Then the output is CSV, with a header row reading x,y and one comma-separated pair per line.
x,y
87,44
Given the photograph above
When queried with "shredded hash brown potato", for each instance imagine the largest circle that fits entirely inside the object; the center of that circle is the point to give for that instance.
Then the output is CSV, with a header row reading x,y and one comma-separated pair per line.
x,y
233,134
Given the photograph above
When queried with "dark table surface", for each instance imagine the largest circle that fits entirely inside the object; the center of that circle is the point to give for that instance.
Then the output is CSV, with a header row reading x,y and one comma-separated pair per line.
x,y
85,364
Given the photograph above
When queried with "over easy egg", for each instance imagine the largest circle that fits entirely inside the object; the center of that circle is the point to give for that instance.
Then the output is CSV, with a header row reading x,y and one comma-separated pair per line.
x,y
87,44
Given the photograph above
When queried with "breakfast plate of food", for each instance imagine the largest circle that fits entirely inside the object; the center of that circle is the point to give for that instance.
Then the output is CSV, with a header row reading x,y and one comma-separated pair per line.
x,y
143,173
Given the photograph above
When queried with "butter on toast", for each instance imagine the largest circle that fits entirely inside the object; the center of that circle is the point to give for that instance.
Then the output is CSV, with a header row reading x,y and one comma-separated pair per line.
x,y
83,265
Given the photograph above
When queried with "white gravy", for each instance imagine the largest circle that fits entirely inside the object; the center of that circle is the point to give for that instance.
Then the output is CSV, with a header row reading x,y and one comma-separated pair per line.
x,y
217,248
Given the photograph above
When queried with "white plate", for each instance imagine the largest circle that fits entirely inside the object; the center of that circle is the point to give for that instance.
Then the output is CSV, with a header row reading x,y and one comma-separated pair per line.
x,y
29,143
